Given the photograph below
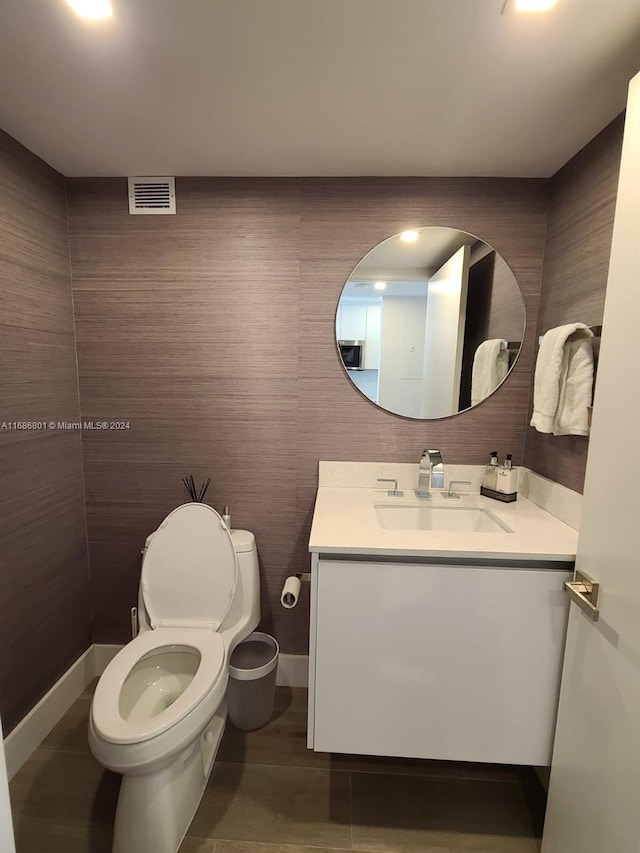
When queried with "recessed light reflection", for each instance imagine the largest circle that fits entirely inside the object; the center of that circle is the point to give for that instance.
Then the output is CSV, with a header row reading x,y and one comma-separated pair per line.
x,y
380,285
409,236
534,5
92,9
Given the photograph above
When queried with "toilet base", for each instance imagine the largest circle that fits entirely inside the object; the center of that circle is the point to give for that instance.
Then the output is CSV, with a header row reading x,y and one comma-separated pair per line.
x,y
155,809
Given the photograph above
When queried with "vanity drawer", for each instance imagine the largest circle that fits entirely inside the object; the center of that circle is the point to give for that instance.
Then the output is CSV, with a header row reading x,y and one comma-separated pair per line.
x,y
437,661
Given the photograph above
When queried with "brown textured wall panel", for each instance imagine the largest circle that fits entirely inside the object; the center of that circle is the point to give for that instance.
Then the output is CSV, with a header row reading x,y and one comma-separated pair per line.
x,y
212,333
45,619
576,264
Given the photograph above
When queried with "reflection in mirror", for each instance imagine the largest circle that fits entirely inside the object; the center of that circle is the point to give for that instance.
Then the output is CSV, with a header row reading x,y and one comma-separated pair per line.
x,y
429,322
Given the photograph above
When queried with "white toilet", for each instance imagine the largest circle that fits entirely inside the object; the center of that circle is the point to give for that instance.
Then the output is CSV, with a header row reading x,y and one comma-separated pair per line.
x,y
158,712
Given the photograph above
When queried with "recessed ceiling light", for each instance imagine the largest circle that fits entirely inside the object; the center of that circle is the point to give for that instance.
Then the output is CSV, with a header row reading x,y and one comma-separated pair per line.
x,y
92,9
534,5
409,236
380,285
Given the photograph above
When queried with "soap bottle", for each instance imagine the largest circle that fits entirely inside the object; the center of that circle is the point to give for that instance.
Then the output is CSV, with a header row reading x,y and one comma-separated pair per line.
x,y
507,478
489,480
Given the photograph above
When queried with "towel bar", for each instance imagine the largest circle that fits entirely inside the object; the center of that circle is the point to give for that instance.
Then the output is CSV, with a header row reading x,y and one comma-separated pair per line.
x,y
596,331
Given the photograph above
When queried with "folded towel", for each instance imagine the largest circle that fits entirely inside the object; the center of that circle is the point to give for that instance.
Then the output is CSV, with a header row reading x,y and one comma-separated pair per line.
x,y
563,384
490,366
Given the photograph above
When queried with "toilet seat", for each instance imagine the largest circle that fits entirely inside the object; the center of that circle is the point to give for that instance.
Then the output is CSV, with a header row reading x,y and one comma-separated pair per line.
x,y
210,675
190,570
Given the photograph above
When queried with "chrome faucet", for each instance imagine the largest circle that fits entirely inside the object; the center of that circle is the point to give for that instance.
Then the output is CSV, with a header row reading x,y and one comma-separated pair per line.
x,y
430,473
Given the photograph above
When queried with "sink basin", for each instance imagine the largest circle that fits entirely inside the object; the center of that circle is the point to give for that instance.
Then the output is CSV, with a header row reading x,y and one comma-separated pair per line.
x,y
463,519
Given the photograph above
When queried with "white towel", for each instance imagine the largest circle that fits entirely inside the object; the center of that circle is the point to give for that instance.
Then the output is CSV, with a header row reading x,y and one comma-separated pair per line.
x,y
490,366
563,384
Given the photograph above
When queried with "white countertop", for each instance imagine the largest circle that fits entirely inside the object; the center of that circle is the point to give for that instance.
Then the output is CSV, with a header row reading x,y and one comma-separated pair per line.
x,y
345,522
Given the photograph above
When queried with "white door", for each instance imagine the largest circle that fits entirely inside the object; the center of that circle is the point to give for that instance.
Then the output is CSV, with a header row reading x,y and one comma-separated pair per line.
x,y
372,340
401,354
444,336
594,795
6,831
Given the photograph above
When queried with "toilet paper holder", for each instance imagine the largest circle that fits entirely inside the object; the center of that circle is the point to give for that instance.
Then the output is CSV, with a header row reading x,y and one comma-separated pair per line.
x,y
291,589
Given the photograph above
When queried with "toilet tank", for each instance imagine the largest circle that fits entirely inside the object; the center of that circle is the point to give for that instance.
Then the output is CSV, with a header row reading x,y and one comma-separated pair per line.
x,y
245,607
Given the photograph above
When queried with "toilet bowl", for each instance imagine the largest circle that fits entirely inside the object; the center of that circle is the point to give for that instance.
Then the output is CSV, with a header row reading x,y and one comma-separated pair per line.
x,y
158,712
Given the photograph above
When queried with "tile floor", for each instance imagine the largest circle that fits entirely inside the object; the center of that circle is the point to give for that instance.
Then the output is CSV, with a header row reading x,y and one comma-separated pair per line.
x,y
269,794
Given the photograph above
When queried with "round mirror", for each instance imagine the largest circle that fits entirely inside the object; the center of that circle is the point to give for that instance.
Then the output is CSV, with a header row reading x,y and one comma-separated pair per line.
x,y
429,323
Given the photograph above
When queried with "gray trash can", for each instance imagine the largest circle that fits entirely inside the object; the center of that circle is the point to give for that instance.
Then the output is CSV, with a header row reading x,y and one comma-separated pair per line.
x,y
252,681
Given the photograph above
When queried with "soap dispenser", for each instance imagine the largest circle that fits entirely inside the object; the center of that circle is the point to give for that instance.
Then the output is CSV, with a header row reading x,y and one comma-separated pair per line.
x,y
507,480
489,479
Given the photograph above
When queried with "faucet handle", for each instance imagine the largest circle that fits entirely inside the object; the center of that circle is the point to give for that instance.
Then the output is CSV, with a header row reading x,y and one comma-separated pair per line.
x,y
392,493
451,494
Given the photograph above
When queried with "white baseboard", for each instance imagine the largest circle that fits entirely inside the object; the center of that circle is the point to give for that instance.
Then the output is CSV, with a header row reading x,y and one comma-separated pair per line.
x,y
103,655
33,729
27,736
293,671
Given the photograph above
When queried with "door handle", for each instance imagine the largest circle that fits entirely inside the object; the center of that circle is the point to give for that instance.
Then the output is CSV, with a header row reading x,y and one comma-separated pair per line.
x,y
583,590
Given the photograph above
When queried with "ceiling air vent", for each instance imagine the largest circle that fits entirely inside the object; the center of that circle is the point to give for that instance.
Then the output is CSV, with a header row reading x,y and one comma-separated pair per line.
x,y
152,195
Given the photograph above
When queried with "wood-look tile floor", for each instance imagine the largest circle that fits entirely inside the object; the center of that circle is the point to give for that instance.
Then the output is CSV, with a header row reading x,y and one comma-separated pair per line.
x,y
269,794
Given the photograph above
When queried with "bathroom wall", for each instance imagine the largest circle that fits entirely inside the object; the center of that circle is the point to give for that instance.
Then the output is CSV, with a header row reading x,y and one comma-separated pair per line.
x,y
45,621
576,263
211,334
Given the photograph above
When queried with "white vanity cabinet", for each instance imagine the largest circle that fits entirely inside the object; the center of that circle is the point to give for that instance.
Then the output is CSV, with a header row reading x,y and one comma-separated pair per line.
x,y
427,660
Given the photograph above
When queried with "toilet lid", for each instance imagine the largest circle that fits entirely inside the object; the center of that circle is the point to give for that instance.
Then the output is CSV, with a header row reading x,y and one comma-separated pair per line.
x,y
190,569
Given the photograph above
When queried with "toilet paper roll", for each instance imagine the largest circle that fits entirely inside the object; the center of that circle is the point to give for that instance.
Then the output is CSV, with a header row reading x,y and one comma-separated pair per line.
x,y
290,592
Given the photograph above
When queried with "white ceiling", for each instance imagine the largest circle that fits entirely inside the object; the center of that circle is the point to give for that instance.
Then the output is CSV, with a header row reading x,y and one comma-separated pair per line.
x,y
313,87
432,248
